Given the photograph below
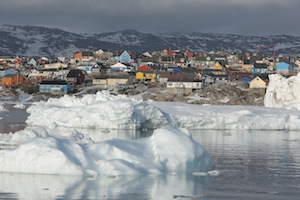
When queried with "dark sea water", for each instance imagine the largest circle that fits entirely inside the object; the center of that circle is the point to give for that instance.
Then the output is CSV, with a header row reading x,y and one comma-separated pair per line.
x,y
252,165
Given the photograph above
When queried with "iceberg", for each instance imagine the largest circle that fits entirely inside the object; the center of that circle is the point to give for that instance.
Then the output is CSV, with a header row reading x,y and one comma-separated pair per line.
x,y
283,92
106,111
168,150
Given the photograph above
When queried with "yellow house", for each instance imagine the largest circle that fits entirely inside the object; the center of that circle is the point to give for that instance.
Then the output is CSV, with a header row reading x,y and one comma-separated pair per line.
x,y
146,76
257,83
139,76
150,77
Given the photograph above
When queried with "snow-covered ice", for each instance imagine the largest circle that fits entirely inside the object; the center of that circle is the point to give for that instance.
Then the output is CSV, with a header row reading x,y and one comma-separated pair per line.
x,y
20,106
283,92
43,149
2,109
105,111
168,150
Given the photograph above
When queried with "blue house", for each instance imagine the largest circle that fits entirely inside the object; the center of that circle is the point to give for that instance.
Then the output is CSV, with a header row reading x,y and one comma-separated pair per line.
x,y
54,86
32,62
8,72
124,57
284,68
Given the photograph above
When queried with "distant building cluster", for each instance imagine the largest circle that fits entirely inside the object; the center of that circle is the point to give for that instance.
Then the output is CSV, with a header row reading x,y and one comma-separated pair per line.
x,y
177,70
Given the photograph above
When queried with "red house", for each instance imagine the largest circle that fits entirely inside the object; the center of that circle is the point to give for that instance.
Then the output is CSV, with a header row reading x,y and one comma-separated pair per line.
x,y
144,68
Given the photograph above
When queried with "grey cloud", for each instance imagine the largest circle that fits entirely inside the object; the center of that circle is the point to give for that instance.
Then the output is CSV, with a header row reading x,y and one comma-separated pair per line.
x,y
256,17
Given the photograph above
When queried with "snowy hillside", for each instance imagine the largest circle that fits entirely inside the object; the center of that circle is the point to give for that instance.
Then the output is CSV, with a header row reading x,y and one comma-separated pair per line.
x,y
42,41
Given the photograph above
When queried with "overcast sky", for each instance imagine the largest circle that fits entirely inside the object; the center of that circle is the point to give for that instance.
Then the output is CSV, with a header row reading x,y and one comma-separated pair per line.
x,y
245,17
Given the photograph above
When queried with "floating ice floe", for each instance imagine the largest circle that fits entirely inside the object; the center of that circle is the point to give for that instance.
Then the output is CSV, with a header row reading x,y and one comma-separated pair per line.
x,y
167,150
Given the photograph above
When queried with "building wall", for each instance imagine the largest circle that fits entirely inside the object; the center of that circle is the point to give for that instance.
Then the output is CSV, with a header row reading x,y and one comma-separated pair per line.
x,y
11,81
125,57
99,81
139,76
112,81
217,66
78,55
61,89
257,83
247,67
150,76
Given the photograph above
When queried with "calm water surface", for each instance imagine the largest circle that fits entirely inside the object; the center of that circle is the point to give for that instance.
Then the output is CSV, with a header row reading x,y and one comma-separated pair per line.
x,y
252,165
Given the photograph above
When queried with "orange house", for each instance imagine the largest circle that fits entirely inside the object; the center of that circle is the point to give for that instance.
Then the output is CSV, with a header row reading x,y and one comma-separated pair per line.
x,y
77,55
84,55
219,66
12,80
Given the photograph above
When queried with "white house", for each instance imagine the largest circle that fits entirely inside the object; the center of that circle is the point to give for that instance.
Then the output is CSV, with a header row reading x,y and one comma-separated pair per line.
x,y
119,67
183,86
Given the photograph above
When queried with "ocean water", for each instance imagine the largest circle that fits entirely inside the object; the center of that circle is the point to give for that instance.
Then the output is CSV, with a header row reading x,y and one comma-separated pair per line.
x,y
251,165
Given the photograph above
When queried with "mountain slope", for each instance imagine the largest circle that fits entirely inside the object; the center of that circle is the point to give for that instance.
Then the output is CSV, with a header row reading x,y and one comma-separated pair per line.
x,y
42,41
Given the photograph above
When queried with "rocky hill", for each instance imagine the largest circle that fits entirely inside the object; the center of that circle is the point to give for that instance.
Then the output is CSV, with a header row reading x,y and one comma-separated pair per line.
x,y
42,41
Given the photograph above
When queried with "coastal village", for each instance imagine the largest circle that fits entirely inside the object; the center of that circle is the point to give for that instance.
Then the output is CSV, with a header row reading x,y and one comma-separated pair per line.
x,y
175,72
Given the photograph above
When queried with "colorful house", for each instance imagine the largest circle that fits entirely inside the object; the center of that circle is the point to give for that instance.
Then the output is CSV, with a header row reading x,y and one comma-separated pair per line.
x,y
284,68
257,83
32,62
146,76
125,57
119,67
163,78
144,68
8,72
259,68
219,66
84,55
247,65
12,80
55,86
88,66
75,76
139,76
184,86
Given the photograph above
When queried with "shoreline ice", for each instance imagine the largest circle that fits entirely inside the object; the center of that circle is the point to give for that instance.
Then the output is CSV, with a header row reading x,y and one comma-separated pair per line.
x,y
105,111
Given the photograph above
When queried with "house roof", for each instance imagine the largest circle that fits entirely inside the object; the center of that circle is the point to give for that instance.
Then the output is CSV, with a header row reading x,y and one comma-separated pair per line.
x,y
260,65
11,75
53,82
173,76
256,78
144,68
74,72
87,53
119,65
247,62
183,80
